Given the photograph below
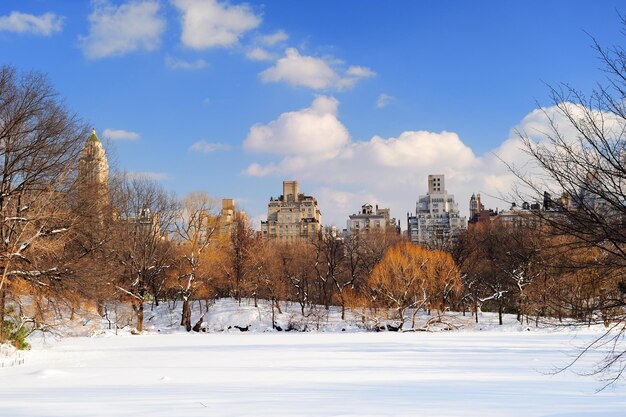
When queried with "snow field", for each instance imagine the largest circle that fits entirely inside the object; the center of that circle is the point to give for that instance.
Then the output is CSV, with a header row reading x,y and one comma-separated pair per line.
x,y
341,370
307,374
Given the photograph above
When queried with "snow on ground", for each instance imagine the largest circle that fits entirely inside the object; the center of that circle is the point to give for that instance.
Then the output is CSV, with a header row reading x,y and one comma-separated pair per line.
x,y
503,372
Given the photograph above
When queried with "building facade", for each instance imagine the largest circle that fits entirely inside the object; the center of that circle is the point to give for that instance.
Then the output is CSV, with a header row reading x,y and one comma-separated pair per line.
x,y
371,220
230,218
437,219
92,181
93,166
475,206
478,213
292,215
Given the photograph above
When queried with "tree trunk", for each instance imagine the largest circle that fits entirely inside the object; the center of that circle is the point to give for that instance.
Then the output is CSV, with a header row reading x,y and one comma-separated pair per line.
x,y
273,316
139,315
2,310
413,319
476,312
500,314
401,314
186,318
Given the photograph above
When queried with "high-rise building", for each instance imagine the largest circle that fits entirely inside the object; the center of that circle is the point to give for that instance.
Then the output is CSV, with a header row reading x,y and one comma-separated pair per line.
x,y
231,218
227,213
437,219
475,206
92,180
93,166
292,215
371,220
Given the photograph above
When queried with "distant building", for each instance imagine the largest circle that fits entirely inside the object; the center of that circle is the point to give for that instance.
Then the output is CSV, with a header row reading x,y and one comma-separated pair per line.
x,y
227,213
93,166
292,215
532,214
478,214
332,232
437,219
92,181
370,220
230,218
475,205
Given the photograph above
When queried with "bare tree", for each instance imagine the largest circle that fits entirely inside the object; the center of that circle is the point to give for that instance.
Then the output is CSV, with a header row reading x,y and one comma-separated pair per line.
x,y
141,246
39,142
241,238
328,265
196,231
296,260
583,158
265,269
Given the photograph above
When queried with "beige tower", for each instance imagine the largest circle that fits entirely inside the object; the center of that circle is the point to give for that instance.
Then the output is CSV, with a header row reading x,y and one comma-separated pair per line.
x,y
92,181
291,191
93,167
230,217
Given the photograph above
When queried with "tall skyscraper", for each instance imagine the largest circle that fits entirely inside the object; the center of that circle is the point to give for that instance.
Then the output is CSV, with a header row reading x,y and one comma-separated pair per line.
x,y
437,219
93,166
92,180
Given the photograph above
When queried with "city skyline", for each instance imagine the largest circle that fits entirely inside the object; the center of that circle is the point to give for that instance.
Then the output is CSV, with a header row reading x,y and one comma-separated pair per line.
x,y
359,104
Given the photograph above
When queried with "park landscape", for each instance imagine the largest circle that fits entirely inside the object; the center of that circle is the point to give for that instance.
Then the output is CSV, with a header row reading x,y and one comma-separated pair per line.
x,y
127,289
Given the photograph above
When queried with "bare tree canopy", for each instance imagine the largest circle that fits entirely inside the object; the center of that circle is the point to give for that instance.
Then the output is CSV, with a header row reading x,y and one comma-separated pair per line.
x,y
582,159
39,144
141,248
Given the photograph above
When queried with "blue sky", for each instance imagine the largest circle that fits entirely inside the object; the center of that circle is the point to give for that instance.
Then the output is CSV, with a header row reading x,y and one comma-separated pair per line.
x,y
358,100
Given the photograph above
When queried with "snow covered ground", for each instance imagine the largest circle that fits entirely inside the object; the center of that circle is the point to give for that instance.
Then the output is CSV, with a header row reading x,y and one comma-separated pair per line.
x,y
494,372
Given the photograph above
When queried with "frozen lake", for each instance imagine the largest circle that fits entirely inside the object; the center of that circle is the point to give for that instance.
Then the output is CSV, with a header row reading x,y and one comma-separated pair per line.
x,y
307,374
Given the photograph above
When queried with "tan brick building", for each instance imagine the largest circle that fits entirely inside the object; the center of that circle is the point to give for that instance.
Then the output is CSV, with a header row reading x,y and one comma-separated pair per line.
x,y
230,217
292,215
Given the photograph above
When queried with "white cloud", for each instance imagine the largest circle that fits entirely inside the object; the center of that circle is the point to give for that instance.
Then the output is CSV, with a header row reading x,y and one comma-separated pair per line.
x,y
312,72
45,24
118,134
203,146
312,131
119,30
393,170
274,38
383,100
258,170
360,72
178,63
259,54
299,70
211,24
